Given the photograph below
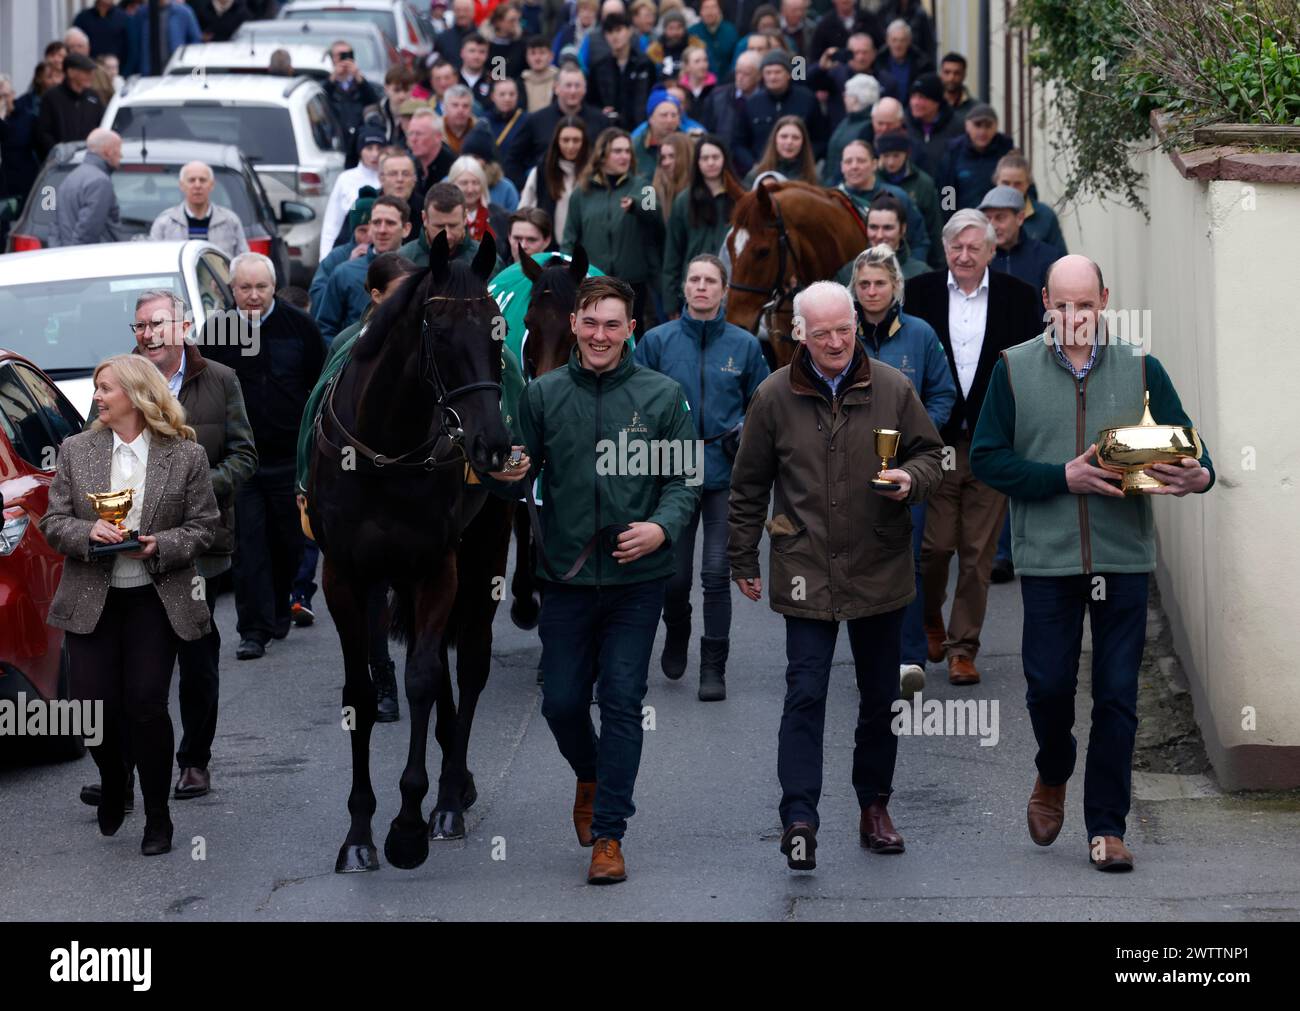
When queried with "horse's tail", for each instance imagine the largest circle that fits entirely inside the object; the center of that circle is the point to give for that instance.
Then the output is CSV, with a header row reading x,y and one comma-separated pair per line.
x,y
401,619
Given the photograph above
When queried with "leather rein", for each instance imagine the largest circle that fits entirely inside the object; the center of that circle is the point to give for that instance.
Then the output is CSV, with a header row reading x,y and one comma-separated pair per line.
x,y
449,428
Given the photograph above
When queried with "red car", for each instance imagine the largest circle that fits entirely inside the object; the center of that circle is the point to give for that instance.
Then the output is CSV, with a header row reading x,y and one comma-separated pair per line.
x,y
35,418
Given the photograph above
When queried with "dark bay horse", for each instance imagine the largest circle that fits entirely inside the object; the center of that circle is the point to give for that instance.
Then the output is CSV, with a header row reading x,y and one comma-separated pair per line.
x,y
390,499
784,236
546,347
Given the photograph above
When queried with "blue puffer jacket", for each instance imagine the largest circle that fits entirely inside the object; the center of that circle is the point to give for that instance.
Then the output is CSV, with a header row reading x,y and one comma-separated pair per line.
x,y
729,371
910,345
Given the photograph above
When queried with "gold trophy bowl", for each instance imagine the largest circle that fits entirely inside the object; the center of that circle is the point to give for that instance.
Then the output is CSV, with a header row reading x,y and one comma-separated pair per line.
x,y
886,448
113,507
1128,451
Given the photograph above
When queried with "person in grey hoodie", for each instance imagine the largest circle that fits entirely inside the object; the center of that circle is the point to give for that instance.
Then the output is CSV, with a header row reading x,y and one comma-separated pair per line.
x,y
86,208
197,217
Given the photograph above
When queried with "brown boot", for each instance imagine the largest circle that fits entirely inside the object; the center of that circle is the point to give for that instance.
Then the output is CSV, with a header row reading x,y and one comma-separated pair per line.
x,y
876,830
1046,813
607,867
583,802
934,639
961,671
1108,853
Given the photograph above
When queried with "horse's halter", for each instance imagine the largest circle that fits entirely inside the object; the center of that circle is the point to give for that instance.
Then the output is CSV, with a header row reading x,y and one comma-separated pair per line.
x,y
786,285
449,425
428,365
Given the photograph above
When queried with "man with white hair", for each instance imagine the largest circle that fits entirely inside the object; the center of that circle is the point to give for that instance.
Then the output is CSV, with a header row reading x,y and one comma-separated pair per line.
x,y
77,41
277,353
901,59
860,93
85,207
978,314
841,550
197,217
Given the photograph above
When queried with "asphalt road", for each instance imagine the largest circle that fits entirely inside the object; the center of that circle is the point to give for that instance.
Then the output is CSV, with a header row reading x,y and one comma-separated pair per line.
x,y
703,843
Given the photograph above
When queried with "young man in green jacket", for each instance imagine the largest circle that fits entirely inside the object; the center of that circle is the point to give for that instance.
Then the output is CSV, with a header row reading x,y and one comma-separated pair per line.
x,y
1080,543
621,470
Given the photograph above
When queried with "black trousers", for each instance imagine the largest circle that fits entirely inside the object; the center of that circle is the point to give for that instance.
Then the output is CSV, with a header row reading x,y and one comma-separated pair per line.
x,y
126,663
268,548
199,691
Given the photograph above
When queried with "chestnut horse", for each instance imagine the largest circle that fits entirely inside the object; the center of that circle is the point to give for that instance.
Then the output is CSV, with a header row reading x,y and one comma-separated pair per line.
x,y
784,236
392,501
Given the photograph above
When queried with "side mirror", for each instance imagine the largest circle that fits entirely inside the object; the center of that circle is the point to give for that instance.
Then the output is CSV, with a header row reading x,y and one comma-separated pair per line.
x,y
294,213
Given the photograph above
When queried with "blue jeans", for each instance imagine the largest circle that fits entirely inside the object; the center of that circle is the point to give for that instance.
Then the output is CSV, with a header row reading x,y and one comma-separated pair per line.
x,y
611,629
914,648
304,582
714,569
810,647
1051,642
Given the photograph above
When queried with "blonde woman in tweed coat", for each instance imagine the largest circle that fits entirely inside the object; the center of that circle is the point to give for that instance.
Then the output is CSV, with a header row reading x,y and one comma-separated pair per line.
x,y
126,613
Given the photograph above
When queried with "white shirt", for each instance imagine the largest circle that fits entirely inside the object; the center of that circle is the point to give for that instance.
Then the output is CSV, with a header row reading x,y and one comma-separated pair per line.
x,y
967,315
173,384
342,197
130,462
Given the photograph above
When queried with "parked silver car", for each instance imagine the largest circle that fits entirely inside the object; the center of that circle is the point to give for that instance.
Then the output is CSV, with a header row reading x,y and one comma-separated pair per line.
x,y
69,308
283,125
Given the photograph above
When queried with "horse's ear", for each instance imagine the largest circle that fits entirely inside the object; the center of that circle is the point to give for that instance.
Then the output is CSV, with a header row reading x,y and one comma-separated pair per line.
x,y
531,268
486,257
579,264
439,253
764,194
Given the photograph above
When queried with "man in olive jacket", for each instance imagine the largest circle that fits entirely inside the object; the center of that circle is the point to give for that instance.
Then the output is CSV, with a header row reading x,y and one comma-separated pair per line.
x,y
622,470
841,551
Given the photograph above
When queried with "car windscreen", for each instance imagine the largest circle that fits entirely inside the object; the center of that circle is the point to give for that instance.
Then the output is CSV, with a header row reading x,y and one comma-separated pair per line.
x,y
76,324
370,54
263,132
383,20
145,191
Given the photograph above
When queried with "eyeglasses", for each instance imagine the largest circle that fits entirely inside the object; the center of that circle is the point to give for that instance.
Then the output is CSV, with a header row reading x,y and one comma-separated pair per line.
x,y
156,325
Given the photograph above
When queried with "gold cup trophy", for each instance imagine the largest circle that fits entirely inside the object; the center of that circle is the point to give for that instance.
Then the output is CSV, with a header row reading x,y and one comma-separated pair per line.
x,y
1129,450
886,447
113,507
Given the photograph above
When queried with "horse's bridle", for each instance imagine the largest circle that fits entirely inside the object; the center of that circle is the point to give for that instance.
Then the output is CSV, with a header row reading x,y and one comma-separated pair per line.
x,y
786,286
448,421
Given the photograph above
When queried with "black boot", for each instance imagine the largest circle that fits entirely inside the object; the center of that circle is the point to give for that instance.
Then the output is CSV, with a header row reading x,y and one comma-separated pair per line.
x,y
157,832
713,669
676,643
385,677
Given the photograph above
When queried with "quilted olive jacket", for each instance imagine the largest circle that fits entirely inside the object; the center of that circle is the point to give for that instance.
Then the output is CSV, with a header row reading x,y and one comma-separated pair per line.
x,y
179,509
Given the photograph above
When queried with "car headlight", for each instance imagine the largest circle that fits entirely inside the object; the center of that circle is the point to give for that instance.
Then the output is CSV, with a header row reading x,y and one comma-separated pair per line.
x,y
12,532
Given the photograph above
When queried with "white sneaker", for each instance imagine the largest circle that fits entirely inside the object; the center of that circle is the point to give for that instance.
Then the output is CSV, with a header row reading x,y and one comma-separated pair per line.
x,y
911,679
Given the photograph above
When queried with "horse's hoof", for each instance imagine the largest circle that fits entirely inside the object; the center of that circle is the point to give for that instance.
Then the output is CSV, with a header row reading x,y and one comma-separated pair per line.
x,y
354,858
524,612
405,848
469,794
445,825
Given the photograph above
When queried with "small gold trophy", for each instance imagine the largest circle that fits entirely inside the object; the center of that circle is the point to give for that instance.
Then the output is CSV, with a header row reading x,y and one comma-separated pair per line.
x,y
1129,450
886,447
113,507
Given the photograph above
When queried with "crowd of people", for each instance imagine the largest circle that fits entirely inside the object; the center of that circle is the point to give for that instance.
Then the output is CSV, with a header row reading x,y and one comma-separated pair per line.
x,y
633,131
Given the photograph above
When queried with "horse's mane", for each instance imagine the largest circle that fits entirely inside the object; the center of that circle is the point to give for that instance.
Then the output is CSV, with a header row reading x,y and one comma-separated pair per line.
x,y
461,282
749,213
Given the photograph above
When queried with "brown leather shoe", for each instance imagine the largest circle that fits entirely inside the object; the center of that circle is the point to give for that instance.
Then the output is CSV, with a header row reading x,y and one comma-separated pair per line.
x,y
877,831
961,671
193,783
799,844
1046,812
934,639
607,867
1108,853
583,803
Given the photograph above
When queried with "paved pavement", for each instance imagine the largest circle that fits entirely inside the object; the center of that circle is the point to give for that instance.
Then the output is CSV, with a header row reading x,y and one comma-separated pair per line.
x,y
703,844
